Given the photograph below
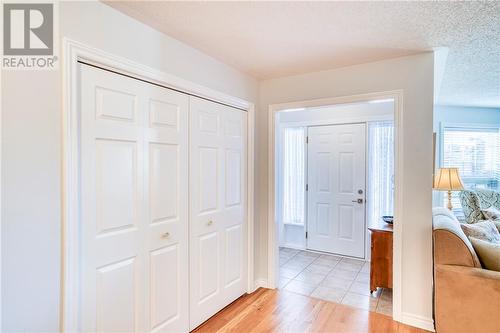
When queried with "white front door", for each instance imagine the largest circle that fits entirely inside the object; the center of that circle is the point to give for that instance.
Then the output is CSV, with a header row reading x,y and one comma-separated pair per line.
x,y
134,221
336,189
218,242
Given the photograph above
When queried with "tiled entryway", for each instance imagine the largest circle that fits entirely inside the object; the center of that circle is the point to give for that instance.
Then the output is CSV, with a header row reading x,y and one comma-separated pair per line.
x,y
332,278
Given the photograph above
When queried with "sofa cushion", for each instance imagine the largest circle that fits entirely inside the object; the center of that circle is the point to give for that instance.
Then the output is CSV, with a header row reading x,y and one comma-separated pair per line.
x,y
485,230
488,253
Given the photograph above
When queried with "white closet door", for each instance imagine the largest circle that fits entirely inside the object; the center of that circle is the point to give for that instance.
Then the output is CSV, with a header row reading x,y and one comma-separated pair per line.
x,y
218,228
134,205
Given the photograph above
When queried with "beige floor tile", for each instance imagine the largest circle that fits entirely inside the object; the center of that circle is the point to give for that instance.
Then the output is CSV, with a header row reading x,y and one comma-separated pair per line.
x,y
326,262
310,277
331,256
301,260
317,268
336,282
356,262
329,294
360,301
363,277
300,287
365,268
332,278
293,264
347,266
283,260
345,274
289,273
283,282
363,289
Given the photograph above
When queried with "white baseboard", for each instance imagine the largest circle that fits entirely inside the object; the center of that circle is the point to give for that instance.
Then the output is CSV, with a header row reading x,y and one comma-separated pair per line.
x,y
260,283
418,321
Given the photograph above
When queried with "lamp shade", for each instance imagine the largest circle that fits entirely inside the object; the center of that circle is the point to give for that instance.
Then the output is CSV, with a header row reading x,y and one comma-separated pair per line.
x,y
448,179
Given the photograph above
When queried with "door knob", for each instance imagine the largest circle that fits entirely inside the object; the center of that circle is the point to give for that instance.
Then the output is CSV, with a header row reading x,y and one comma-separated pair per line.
x,y
209,223
165,235
360,201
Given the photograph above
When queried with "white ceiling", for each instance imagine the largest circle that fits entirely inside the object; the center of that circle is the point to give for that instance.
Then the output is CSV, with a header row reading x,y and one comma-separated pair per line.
x,y
274,39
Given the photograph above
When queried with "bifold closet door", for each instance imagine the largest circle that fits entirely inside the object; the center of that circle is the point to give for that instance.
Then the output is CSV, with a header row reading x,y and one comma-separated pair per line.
x,y
218,228
134,221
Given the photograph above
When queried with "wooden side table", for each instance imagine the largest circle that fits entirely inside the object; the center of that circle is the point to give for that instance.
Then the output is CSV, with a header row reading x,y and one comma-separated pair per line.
x,y
381,255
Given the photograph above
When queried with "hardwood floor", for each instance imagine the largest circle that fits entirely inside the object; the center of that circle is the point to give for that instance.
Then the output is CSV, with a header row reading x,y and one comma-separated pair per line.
x,y
268,310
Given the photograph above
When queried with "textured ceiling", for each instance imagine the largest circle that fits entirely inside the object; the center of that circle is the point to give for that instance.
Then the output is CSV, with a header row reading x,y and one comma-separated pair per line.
x,y
274,39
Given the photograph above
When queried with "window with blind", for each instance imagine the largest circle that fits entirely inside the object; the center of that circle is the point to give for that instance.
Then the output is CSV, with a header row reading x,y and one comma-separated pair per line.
x,y
293,182
475,152
380,191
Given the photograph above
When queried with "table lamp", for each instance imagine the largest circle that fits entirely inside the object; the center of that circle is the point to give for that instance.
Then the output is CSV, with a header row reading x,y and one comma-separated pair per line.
x,y
448,179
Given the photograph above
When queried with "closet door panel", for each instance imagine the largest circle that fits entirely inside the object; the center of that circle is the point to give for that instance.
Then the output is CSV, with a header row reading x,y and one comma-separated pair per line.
x,y
166,195
134,228
112,226
217,206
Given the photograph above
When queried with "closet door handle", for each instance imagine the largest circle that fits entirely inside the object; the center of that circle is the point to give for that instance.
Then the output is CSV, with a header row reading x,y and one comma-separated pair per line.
x,y
209,223
165,235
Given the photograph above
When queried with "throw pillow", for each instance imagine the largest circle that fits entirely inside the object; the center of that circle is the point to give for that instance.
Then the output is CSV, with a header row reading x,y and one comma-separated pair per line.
x,y
485,230
488,253
491,213
497,224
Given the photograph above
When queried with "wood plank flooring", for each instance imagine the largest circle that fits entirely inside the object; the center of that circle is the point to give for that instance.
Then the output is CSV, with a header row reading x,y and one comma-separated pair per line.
x,y
268,310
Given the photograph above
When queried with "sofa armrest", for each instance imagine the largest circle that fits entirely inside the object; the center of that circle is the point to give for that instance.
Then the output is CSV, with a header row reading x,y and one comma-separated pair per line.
x,y
451,246
467,299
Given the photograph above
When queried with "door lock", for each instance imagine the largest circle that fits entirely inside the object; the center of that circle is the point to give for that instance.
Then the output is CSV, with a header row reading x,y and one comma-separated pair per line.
x,y
360,201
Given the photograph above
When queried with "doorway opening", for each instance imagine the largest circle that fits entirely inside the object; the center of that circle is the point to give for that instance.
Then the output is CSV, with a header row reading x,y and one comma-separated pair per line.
x,y
334,182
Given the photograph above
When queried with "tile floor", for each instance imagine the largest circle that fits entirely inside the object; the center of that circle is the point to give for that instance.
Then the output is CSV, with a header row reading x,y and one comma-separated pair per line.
x,y
332,278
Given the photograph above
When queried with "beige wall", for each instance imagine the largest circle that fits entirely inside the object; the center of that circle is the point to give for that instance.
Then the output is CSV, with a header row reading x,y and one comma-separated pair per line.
x,y
31,152
414,75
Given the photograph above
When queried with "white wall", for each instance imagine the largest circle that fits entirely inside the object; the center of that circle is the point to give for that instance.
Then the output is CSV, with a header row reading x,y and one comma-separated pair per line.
x,y
414,75
31,152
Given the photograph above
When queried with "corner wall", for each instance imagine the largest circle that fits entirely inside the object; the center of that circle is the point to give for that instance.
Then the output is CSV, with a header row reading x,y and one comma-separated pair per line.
x,y
31,151
414,75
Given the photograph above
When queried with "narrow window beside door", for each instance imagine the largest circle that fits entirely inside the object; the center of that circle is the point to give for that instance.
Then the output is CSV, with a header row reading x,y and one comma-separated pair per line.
x,y
380,198
293,175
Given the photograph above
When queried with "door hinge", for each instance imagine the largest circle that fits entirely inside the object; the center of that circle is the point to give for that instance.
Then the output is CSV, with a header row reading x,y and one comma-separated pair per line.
x,y
307,139
306,234
307,187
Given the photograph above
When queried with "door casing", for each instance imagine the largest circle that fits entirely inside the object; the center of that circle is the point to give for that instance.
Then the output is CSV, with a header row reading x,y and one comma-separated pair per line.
x,y
272,232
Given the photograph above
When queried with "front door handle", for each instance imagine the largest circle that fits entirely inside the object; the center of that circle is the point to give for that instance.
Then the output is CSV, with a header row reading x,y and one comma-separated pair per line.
x,y
360,201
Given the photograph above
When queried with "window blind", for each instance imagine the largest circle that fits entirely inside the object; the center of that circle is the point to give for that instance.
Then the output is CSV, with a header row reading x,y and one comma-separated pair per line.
x,y
475,152
293,190
380,195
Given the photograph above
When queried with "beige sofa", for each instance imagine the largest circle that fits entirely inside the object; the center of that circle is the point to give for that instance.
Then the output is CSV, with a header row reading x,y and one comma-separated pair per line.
x,y
466,296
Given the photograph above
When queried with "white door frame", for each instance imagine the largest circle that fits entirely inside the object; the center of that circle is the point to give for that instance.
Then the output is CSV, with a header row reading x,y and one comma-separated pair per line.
x,y
73,52
272,249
